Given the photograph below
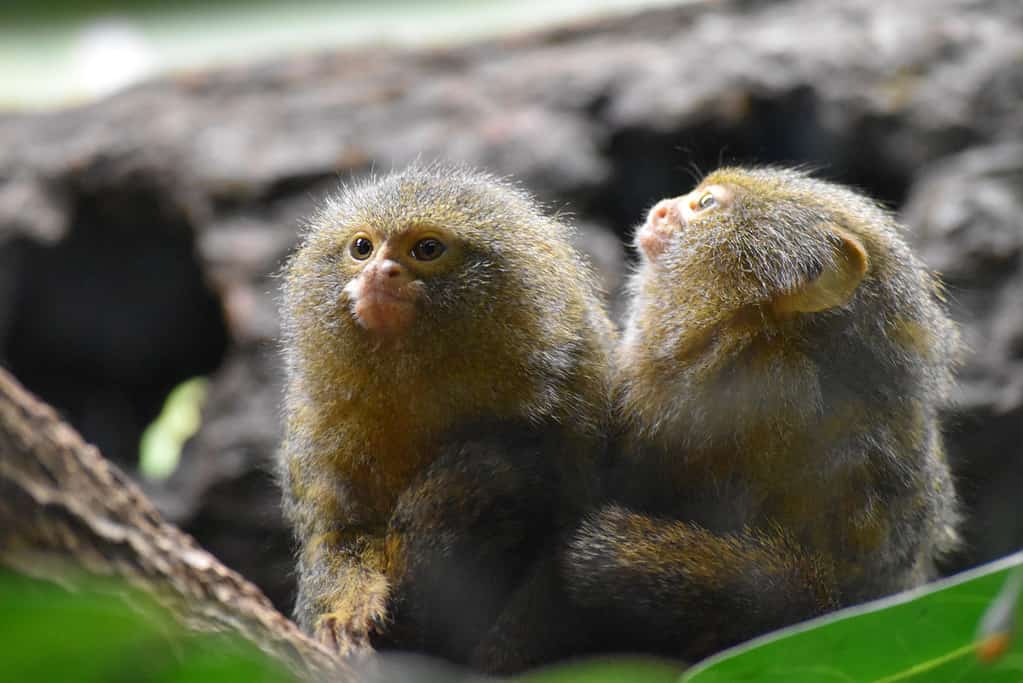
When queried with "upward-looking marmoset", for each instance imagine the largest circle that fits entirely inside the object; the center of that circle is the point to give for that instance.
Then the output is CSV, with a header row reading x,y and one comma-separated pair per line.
x,y
782,367
448,379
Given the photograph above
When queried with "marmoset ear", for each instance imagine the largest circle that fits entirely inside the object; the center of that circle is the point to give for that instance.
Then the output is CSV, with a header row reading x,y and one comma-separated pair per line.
x,y
836,284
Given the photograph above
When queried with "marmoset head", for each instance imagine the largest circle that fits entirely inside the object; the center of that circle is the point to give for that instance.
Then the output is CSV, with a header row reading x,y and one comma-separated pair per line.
x,y
449,280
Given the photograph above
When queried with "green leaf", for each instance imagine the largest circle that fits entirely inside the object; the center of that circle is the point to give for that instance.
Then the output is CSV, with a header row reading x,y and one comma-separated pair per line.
x,y
959,629
162,441
96,635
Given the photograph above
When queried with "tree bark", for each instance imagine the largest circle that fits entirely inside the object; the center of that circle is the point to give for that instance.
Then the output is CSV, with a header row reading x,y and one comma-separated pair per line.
x,y
65,512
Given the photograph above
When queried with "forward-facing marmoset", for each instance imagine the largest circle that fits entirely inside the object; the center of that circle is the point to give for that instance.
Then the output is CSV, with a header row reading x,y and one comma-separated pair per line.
x,y
782,366
448,382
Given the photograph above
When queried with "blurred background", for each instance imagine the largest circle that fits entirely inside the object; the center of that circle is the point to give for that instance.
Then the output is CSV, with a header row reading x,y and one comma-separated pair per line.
x,y
66,51
156,161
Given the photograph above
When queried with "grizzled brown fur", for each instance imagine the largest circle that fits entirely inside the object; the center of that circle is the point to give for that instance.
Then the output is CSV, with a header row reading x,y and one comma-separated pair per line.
x,y
782,368
436,450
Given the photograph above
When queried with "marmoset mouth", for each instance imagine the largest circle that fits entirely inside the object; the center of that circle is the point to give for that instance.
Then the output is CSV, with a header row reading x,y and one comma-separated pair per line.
x,y
385,294
381,309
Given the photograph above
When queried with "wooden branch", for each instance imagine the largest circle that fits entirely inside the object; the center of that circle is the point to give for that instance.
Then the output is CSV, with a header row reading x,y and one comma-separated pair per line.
x,y
64,509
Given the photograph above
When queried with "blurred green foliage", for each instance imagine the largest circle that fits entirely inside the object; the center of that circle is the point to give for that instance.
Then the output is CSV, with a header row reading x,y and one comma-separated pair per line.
x,y
57,11
930,635
95,636
32,10
162,441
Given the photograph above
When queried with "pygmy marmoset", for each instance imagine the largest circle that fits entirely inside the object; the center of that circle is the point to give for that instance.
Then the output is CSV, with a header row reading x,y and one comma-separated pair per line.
x,y
447,400
782,366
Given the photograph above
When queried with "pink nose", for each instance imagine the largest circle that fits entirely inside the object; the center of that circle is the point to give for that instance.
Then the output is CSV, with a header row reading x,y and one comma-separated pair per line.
x,y
665,214
386,273
662,222
389,268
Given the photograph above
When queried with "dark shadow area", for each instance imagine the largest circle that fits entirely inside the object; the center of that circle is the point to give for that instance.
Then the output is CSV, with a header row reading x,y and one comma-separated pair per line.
x,y
105,323
241,524
777,130
988,480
